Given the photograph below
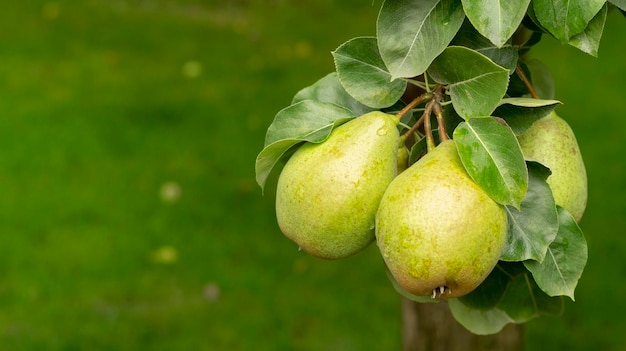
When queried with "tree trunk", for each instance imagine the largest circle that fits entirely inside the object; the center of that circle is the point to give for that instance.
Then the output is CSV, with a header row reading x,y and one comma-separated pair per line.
x,y
431,327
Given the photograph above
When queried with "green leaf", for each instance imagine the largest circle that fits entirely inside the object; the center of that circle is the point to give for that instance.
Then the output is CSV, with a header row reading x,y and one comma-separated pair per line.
x,y
508,295
496,19
541,78
412,33
566,18
329,90
476,83
363,74
521,113
481,322
589,40
505,56
270,156
565,261
619,3
489,293
531,22
493,158
535,225
533,39
307,120
418,150
450,117
524,300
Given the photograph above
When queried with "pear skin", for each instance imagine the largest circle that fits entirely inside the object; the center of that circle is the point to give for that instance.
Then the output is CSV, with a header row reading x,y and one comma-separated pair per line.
x,y
439,233
552,142
328,193
403,158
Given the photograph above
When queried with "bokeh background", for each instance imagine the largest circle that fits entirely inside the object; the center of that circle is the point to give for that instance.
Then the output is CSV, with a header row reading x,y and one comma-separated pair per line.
x,y
129,214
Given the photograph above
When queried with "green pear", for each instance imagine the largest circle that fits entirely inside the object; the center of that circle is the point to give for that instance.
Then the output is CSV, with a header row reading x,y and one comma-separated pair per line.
x,y
552,142
403,157
439,233
328,193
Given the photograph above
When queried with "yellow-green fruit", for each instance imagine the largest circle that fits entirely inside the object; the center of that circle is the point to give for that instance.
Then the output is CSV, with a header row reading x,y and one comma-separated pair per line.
x,y
439,233
328,193
403,158
552,142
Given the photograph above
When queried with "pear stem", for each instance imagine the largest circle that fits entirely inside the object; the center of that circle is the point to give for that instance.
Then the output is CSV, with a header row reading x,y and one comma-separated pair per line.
x,y
418,100
443,136
419,84
529,86
417,124
430,141
434,103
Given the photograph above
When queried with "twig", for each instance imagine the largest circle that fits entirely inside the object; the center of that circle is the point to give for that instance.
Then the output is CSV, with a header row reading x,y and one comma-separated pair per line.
x,y
529,86
418,100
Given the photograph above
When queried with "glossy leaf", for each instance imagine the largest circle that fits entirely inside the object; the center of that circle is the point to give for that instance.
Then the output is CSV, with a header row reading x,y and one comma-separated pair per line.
x,y
493,158
306,120
490,292
566,18
363,74
476,83
496,19
534,226
516,299
541,78
619,3
533,39
508,295
480,322
589,40
521,113
329,90
418,150
505,56
531,22
524,300
565,261
412,33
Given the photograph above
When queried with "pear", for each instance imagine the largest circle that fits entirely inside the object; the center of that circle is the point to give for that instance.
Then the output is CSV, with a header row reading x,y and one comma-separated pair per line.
x,y
328,193
403,157
552,142
439,233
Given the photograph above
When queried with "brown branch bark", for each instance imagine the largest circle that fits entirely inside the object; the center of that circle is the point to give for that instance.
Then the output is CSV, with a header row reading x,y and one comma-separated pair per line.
x,y
431,327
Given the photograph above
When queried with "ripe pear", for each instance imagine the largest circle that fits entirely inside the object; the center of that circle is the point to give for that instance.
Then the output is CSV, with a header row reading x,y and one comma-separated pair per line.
x,y
439,233
328,193
552,142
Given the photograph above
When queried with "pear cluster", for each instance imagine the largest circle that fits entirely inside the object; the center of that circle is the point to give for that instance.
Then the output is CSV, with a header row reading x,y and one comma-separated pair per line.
x,y
439,233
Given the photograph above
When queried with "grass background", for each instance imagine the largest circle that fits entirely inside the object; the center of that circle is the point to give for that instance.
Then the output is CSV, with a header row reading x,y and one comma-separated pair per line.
x,y
102,103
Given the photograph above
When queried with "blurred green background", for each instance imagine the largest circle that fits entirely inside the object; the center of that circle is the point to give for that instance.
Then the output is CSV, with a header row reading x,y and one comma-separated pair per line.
x,y
130,218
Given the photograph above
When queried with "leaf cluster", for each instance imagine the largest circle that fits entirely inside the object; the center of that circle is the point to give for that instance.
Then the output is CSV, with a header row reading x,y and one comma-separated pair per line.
x,y
473,54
